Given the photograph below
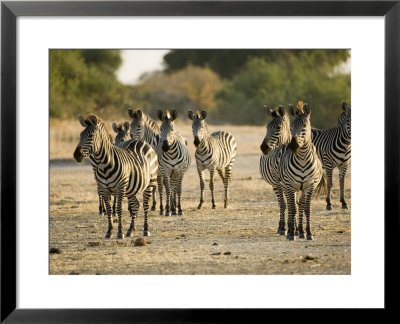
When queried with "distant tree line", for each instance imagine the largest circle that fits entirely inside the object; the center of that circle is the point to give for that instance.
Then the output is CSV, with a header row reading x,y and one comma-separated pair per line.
x,y
232,85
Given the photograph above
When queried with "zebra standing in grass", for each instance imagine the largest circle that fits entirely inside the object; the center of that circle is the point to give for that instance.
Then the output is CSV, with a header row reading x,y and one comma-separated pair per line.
x,y
301,170
334,149
273,146
143,127
215,152
174,160
124,172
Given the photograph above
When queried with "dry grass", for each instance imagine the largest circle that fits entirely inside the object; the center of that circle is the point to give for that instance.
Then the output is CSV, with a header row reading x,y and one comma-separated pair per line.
x,y
239,240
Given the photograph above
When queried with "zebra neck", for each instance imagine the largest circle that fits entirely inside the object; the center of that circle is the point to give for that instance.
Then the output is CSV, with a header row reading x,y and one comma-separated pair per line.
x,y
305,150
206,144
105,156
344,137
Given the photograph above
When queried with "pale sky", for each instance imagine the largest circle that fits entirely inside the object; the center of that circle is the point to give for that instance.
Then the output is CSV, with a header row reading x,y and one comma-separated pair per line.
x,y
136,62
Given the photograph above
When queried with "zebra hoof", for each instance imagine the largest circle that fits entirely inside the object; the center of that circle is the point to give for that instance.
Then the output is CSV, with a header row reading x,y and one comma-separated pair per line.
x,y
199,207
174,213
161,213
120,236
180,213
310,238
281,232
329,207
296,233
108,235
167,214
291,238
214,207
302,236
345,207
146,233
129,234
153,208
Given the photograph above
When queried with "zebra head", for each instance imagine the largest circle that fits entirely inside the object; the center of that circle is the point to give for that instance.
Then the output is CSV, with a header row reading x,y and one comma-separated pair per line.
x,y
199,126
345,120
89,137
167,129
122,131
301,126
137,124
278,129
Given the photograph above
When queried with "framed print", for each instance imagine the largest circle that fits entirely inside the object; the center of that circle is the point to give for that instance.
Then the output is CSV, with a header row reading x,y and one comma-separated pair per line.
x,y
39,286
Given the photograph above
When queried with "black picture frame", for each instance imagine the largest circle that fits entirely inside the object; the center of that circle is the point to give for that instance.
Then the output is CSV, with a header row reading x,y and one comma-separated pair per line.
x,y
10,10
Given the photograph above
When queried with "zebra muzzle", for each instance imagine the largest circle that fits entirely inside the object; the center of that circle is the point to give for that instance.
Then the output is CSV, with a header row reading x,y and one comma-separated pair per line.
x,y
265,147
165,146
78,156
293,145
196,141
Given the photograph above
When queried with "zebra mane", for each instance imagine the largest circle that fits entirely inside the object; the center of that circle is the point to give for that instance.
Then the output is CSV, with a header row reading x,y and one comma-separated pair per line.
x,y
299,107
100,122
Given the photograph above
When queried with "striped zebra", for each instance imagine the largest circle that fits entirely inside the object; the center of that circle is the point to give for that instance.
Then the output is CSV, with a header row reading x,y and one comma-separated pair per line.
x,y
273,147
215,152
334,149
143,127
124,172
174,160
301,170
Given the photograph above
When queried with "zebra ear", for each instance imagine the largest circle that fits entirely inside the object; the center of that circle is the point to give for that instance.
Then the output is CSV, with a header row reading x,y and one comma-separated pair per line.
x,y
159,114
281,111
93,120
190,115
267,111
344,106
82,121
139,114
174,114
126,126
307,110
203,114
131,113
115,127
292,110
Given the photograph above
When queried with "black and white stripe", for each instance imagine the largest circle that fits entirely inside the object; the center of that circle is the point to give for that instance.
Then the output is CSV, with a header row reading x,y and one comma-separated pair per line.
x,y
144,128
300,170
334,149
174,160
215,152
273,146
124,172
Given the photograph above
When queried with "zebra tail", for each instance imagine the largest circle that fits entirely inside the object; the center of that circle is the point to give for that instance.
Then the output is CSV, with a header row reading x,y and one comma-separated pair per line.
x,y
322,187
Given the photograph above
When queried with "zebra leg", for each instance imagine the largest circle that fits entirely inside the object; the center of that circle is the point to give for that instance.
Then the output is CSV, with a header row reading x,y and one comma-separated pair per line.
x,y
153,207
173,198
106,200
212,188
200,172
134,209
302,200
160,191
120,197
168,190
291,200
179,194
115,199
329,172
307,211
227,181
146,206
282,207
101,207
342,174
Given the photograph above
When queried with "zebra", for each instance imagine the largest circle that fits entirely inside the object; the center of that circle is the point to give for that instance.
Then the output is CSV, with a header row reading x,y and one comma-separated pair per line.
x,y
301,170
215,152
334,149
273,146
174,160
124,172
143,127
122,135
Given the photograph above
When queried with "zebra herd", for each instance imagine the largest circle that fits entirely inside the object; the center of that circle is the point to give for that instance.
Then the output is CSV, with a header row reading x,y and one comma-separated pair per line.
x,y
296,158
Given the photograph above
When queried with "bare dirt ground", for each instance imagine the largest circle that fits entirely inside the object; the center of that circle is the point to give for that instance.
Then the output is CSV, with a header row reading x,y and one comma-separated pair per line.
x,y
239,240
